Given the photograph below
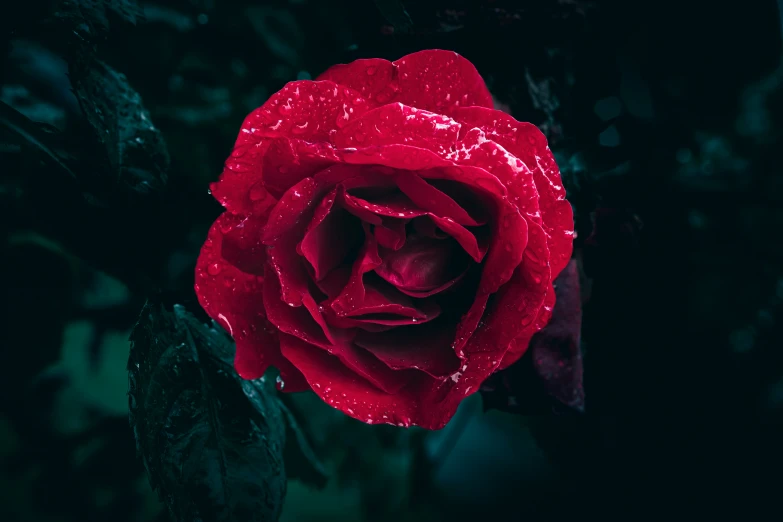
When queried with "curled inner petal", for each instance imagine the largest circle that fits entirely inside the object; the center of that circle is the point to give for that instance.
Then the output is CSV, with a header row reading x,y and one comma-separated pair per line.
x,y
423,265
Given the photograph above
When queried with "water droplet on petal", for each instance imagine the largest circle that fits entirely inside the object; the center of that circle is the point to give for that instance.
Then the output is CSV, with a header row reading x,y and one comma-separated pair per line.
x,y
300,128
285,108
370,71
214,269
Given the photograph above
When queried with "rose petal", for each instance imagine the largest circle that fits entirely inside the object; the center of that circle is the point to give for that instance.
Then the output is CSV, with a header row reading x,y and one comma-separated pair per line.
x,y
389,205
293,320
334,282
288,213
516,305
391,234
306,110
397,123
331,236
423,265
527,143
306,324
288,161
384,299
424,401
434,80
231,297
520,344
424,226
429,198
399,205
367,260
368,76
467,239
510,237
423,347
476,150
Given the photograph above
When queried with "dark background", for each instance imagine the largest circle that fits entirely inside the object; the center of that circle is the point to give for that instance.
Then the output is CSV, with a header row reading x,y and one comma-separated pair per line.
x,y
666,119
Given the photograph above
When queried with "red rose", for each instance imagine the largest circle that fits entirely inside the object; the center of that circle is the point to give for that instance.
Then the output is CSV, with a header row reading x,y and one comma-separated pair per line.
x,y
389,241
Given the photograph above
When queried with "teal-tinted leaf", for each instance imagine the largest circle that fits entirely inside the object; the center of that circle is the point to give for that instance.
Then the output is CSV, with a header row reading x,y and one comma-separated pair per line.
x,y
301,460
135,149
37,136
89,19
211,454
396,14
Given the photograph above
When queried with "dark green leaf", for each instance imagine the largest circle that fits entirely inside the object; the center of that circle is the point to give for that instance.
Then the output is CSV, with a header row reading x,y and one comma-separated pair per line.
x,y
89,19
301,461
395,14
127,10
135,149
35,135
211,454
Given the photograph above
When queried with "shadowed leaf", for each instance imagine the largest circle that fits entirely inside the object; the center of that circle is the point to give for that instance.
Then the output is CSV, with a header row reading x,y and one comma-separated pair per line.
x,y
211,443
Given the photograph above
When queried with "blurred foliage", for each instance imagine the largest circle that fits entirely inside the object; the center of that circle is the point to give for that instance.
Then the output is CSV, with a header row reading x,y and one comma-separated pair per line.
x,y
665,119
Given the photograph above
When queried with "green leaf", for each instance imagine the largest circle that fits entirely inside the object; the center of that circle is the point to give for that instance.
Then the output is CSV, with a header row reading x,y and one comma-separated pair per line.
x,y
134,147
396,14
301,460
212,454
37,136
89,19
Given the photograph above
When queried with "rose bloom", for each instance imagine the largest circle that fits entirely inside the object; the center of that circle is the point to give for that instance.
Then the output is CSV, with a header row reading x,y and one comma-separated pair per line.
x,y
389,241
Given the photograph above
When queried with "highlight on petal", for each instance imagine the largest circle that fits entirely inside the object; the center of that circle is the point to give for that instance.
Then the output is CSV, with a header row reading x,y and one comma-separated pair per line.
x,y
526,142
396,123
434,80
304,110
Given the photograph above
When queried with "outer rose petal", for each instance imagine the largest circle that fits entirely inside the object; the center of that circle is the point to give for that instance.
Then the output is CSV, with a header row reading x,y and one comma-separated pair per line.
x,y
433,80
288,161
305,110
527,143
232,297
397,123
425,347
423,402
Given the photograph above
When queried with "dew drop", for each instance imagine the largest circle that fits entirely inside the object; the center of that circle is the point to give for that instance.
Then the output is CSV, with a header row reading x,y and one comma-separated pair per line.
x,y
300,128
370,71
285,108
